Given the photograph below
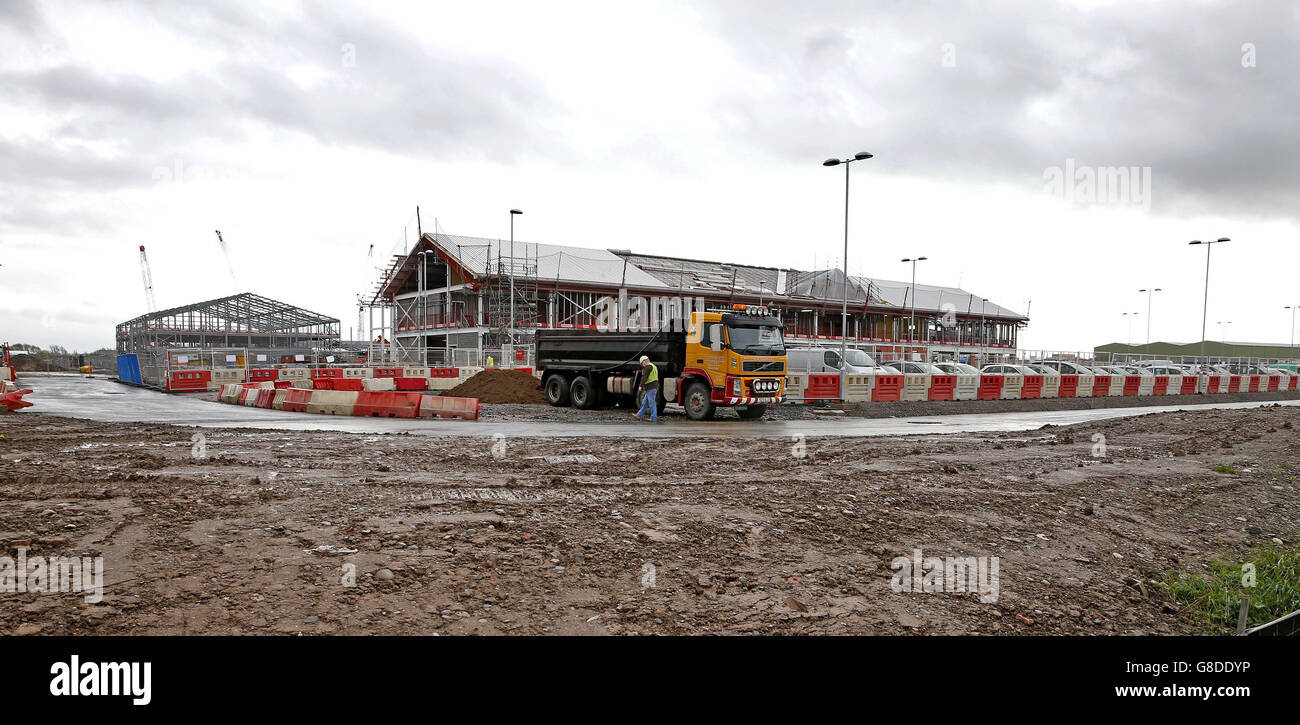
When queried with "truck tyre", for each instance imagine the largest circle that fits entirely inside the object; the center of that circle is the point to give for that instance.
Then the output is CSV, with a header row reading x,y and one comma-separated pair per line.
x,y
557,390
751,412
698,401
583,393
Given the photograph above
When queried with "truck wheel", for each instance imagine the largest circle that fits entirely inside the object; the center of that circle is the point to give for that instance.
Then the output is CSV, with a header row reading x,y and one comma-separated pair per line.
x,y
557,390
698,402
583,393
751,412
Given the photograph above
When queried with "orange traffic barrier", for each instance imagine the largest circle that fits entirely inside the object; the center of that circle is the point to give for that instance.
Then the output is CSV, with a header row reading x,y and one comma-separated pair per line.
x,y
265,396
13,399
296,399
411,383
887,388
990,387
943,387
444,407
1032,387
1101,386
826,386
1069,387
1234,383
1189,385
387,405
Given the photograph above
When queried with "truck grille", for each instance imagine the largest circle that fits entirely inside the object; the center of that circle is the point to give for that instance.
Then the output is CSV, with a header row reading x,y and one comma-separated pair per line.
x,y
762,366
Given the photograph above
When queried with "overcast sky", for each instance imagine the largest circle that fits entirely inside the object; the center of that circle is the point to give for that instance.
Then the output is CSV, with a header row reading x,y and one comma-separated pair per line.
x,y
307,132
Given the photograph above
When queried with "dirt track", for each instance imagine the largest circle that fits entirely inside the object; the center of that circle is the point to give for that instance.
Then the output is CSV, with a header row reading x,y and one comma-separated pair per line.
x,y
491,536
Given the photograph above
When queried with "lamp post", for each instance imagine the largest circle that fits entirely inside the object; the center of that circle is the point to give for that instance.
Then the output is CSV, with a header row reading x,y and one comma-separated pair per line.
x,y
844,313
513,214
912,327
1205,306
1130,316
1149,293
1293,309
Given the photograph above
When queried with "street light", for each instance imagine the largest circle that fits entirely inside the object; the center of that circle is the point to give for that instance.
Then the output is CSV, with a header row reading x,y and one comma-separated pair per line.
x,y
844,313
914,260
1149,292
1292,308
1205,306
513,214
1130,316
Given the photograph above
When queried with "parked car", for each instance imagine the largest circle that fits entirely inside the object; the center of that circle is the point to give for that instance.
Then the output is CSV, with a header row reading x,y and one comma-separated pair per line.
x,y
915,368
1005,369
1064,367
823,360
1042,369
956,368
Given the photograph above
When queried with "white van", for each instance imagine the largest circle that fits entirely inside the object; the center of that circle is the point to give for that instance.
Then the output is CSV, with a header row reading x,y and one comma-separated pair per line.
x,y
823,360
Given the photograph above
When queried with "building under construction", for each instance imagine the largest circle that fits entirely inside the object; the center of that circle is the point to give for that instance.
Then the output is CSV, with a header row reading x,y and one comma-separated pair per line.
x,y
225,332
455,299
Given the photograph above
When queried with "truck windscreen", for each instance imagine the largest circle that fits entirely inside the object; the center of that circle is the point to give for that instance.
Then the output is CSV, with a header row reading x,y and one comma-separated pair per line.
x,y
757,340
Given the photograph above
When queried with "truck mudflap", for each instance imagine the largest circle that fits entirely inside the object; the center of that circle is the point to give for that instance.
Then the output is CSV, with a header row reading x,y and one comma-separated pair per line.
x,y
751,401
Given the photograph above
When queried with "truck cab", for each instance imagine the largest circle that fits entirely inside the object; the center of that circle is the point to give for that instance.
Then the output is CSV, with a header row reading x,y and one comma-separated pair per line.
x,y
734,357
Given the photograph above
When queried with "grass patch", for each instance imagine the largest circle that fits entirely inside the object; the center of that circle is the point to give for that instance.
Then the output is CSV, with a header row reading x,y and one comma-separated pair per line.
x,y
1225,468
1216,599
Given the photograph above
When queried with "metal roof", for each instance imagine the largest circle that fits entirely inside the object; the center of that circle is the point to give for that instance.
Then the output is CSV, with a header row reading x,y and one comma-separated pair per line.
x,y
245,312
617,267
552,261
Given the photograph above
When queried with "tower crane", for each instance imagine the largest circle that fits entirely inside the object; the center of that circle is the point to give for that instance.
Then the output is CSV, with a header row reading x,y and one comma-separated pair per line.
x,y
148,281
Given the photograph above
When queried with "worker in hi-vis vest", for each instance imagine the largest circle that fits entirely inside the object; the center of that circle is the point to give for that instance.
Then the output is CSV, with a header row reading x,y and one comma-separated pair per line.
x,y
649,383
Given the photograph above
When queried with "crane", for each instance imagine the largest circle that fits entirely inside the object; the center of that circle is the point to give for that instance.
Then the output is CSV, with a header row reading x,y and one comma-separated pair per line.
x,y
226,253
148,281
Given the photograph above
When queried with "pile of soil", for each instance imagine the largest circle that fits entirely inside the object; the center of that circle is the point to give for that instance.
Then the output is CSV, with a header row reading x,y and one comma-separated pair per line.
x,y
501,386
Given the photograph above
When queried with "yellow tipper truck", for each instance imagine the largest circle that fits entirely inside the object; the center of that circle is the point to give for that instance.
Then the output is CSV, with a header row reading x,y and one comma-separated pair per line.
x,y
730,357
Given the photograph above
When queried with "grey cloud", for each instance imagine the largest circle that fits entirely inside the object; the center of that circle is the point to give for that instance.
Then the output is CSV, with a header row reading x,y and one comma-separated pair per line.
x,y
402,97
1154,85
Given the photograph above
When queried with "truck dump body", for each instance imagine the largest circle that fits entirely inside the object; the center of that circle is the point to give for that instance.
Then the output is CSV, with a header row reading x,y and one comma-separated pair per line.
x,y
612,351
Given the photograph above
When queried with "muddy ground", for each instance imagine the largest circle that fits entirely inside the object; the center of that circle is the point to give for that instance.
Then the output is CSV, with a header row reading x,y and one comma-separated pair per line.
x,y
560,536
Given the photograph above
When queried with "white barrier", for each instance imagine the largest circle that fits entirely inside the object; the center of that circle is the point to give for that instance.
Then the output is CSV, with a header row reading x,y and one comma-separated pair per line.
x,y
1116,386
467,373
795,383
358,372
1012,384
222,377
1175,385
379,384
915,387
967,388
441,383
294,374
857,388
1051,386
1147,384
1086,384
6,373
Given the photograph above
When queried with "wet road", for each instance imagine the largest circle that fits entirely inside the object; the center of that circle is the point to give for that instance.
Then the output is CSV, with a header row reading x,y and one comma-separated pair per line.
x,y
104,400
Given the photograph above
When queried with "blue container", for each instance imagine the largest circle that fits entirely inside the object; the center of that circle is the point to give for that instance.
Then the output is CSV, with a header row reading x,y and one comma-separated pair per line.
x,y
128,369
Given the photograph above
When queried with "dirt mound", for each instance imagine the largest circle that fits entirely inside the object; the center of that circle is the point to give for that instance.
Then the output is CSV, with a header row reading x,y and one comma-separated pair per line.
x,y
501,386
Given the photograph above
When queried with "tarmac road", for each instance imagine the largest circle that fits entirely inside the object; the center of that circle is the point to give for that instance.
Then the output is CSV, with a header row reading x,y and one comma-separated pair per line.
x,y
104,400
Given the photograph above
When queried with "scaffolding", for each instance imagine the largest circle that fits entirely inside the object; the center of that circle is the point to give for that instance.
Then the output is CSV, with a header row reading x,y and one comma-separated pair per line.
x,y
505,274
